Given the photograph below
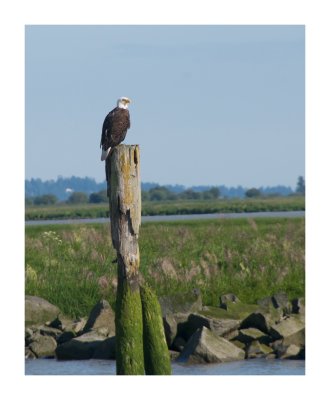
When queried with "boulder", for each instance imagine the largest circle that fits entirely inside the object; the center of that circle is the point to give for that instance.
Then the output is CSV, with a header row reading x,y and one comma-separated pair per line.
x,y
79,348
183,303
237,310
258,350
265,302
206,347
62,322
77,326
178,344
220,326
298,306
251,334
239,344
43,346
228,298
292,352
171,323
291,329
281,300
231,335
65,337
29,354
101,319
261,319
29,332
39,311
174,355
106,350
297,338
48,331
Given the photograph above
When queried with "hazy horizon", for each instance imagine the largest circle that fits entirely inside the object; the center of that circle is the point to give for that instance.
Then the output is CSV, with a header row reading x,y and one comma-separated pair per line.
x,y
293,187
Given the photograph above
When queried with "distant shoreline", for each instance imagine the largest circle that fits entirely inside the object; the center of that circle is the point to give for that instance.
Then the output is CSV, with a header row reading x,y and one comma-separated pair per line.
x,y
170,208
169,218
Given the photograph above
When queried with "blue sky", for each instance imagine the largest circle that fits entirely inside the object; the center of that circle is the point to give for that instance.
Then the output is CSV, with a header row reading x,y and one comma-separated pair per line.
x,y
210,104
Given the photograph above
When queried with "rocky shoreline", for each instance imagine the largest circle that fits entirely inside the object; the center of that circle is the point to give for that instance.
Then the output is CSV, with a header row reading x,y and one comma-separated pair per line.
x,y
272,328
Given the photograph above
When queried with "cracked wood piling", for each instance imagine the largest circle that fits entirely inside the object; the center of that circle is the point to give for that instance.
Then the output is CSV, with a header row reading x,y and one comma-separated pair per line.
x,y
125,214
140,338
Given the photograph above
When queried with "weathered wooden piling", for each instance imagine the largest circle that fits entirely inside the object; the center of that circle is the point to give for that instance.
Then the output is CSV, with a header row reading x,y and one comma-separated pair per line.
x,y
125,215
140,339
156,355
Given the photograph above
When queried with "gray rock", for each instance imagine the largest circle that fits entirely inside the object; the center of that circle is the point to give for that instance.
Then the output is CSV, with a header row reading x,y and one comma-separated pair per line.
x,y
228,298
258,350
280,300
62,322
251,334
39,311
289,329
29,354
265,302
29,336
101,319
239,344
48,331
220,326
231,335
65,337
297,338
292,352
237,311
106,350
206,347
174,355
184,303
298,306
171,323
78,326
80,348
178,344
261,320
43,346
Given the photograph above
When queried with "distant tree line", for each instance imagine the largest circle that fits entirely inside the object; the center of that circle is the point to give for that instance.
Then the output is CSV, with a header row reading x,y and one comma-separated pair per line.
x,y
63,188
158,193
162,193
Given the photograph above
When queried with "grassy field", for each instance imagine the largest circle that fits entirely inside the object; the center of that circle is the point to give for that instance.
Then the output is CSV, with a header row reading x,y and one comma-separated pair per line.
x,y
71,265
64,211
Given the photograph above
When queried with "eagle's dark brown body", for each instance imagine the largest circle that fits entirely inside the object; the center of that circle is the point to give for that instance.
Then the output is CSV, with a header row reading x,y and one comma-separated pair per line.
x,y
114,131
115,127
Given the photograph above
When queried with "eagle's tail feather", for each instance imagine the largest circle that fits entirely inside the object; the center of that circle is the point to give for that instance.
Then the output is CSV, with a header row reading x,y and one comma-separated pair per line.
x,y
105,154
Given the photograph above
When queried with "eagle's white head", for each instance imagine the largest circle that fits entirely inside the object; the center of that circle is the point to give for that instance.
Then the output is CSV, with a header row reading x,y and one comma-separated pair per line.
x,y
123,102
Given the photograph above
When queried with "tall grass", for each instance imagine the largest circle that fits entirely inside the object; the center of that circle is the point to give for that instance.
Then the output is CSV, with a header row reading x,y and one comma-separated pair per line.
x,y
71,265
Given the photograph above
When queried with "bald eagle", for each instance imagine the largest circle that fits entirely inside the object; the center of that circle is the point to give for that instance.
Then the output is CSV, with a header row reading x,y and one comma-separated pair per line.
x,y
115,127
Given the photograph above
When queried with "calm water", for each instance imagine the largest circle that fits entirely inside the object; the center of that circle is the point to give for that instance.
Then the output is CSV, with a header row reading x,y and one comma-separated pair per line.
x,y
159,218
108,367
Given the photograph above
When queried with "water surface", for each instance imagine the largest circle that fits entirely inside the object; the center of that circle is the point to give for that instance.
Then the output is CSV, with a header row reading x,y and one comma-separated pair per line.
x,y
108,367
188,217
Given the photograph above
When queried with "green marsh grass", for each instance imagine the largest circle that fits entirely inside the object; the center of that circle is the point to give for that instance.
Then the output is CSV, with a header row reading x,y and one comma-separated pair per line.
x,y
170,207
72,265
